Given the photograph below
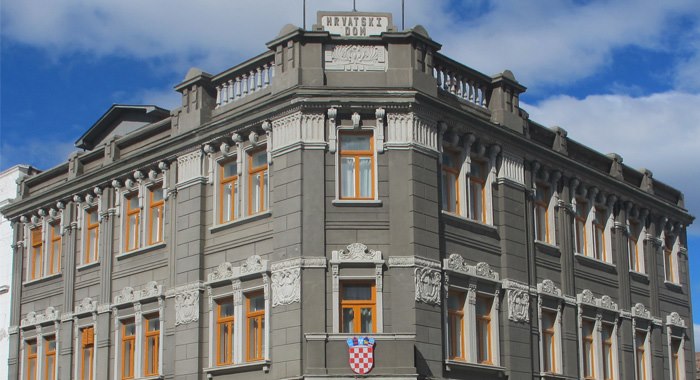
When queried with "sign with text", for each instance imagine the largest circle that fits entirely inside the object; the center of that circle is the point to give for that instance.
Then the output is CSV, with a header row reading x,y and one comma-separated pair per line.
x,y
355,24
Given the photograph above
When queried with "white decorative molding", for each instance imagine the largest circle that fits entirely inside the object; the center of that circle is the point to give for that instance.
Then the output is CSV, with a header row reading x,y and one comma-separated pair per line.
x,y
674,319
405,130
127,294
456,263
189,169
411,261
86,306
352,58
586,297
186,302
253,264
286,287
512,169
225,271
300,262
428,284
296,129
518,305
32,318
549,288
130,295
356,252
640,311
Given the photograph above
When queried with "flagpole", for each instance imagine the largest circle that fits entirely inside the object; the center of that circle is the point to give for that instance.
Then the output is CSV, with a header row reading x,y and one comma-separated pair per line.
x,y
403,16
304,15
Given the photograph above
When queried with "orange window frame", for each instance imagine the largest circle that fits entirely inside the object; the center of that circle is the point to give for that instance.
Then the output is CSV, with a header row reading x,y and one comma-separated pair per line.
x,y
32,359
259,317
483,322
481,180
599,228
37,263
676,357
356,155
358,305
549,331
155,205
257,171
641,356
590,354
581,240
151,358
632,247
223,182
452,187
125,339
456,318
50,354
224,322
669,261
542,206
54,256
136,212
89,256
608,362
87,343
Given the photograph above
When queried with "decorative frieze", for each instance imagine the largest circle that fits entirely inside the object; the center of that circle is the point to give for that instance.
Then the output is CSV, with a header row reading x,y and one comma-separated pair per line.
x,y
456,263
405,130
548,287
298,128
129,295
428,283
189,169
357,252
518,305
354,58
286,287
640,311
186,302
586,297
674,319
512,169
226,271
86,306
32,318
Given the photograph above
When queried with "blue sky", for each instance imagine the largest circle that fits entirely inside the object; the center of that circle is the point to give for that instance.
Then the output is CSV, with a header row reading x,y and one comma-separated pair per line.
x,y
628,70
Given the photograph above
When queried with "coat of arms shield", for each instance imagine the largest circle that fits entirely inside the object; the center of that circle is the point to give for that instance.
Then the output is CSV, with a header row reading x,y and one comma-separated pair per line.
x,y
361,354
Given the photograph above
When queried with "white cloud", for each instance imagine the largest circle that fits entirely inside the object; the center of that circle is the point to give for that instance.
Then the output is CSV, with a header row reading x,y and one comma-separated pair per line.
x,y
42,153
659,132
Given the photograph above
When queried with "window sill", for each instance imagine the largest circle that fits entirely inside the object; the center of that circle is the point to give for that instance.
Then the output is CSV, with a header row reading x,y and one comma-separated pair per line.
x,y
639,276
235,222
552,376
486,228
451,365
88,266
548,248
243,367
157,377
595,263
139,251
673,285
42,279
357,202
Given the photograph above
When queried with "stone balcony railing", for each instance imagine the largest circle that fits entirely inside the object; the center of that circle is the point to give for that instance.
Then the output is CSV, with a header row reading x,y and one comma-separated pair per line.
x,y
244,80
461,81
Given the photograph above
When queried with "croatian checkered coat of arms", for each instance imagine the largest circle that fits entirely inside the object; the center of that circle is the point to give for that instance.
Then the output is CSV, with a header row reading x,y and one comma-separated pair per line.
x,y
361,354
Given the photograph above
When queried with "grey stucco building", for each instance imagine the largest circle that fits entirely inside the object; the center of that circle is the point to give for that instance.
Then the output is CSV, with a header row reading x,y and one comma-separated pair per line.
x,y
349,182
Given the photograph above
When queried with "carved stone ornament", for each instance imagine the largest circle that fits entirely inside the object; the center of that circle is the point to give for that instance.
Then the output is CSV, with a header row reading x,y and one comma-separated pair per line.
x,y
484,270
126,295
518,305
252,264
547,287
640,311
355,58
286,288
152,289
223,272
428,285
675,319
186,307
33,318
86,305
456,262
357,252
607,303
587,297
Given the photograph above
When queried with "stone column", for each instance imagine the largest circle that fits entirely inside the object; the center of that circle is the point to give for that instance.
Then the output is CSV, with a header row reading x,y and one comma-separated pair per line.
x,y
17,259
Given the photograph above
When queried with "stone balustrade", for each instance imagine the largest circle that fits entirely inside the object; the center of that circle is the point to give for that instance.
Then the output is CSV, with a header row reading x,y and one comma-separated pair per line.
x,y
244,80
461,81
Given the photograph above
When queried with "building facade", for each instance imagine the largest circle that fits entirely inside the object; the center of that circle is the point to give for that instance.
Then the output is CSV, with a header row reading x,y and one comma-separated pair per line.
x,y
350,202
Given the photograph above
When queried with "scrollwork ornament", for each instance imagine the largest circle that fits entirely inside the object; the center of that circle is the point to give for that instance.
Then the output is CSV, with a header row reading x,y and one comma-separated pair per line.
x,y
286,288
427,285
518,305
186,307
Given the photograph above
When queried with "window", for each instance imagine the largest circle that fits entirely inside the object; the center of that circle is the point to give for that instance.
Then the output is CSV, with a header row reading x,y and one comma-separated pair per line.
x,y
357,307
455,311
477,191
255,326
641,354
92,233
588,349
224,332
580,227
151,345
32,361
677,365
608,352
670,264
450,182
155,215
37,263
54,248
228,191
549,341
357,175
50,357
541,202
132,223
483,329
599,247
633,249
257,182
87,345
128,343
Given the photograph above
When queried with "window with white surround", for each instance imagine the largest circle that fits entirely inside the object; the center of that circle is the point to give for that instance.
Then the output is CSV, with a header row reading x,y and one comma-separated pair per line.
x,y
357,290
39,345
471,314
635,234
598,342
549,312
142,210
91,236
138,332
239,314
642,354
241,179
676,340
593,223
671,247
44,241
